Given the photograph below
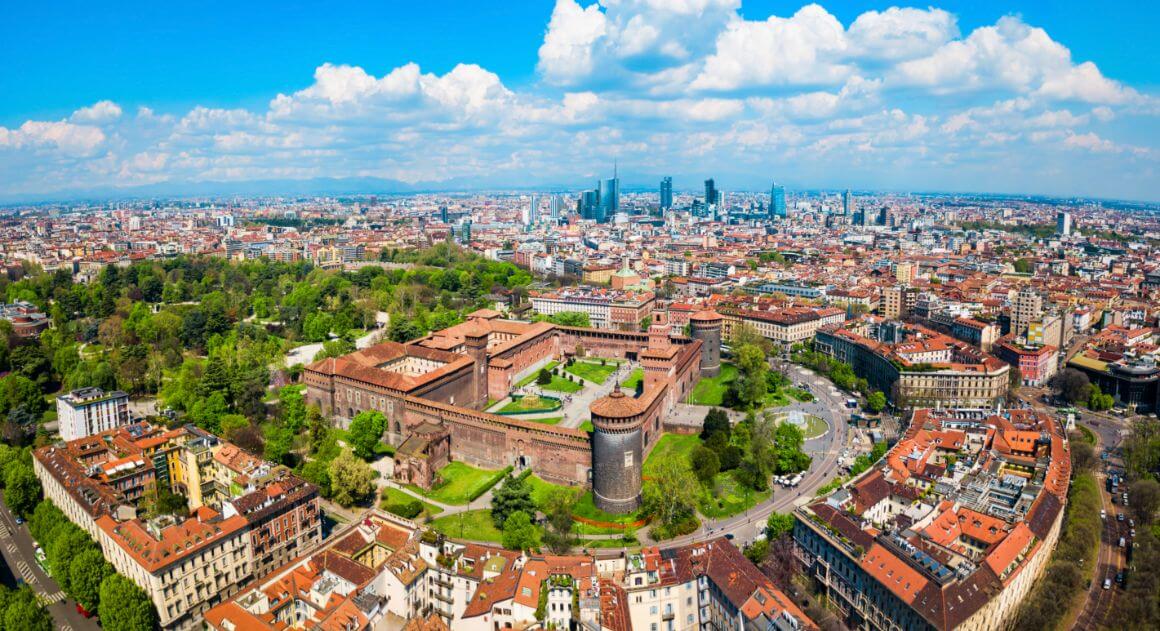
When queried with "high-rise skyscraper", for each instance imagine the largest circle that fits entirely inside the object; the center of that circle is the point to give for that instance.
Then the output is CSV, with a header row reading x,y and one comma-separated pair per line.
x,y
777,206
666,193
1063,224
608,197
443,214
588,206
847,203
710,192
529,214
556,206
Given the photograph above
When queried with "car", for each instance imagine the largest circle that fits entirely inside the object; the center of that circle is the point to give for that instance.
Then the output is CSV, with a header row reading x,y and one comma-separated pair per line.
x,y
1103,514
1120,517
19,520
1123,543
1131,523
84,612
1120,577
1107,583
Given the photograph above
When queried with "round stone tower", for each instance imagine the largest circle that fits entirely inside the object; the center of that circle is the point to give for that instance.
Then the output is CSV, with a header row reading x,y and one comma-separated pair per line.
x,y
616,452
706,326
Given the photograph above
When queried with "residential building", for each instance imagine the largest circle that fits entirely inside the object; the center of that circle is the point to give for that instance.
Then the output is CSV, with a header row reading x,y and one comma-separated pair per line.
x,y
1037,363
87,411
247,516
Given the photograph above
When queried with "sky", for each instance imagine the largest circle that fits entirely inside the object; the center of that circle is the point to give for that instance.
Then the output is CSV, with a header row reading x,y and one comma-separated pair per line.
x,y
1057,98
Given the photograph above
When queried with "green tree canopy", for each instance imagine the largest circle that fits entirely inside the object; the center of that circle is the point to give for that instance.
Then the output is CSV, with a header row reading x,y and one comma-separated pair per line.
x,y
124,606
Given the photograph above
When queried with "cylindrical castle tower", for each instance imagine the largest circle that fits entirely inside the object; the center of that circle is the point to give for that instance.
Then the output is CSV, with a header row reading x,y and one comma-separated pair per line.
x,y
706,326
616,452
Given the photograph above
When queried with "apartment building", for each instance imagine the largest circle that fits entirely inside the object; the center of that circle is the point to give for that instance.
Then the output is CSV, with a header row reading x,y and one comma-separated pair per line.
x,y
619,310
247,516
87,411
1037,363
385,570
950,532
786,326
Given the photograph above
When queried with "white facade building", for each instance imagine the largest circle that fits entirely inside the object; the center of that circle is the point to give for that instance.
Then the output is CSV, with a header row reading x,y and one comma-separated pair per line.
x,y
89,411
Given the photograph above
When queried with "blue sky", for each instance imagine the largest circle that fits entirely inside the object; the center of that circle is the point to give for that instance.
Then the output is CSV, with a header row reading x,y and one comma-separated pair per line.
x,y
1051,97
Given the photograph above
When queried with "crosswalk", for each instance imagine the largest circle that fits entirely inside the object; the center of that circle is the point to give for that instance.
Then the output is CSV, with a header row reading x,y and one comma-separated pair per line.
x,y
49,599
26,572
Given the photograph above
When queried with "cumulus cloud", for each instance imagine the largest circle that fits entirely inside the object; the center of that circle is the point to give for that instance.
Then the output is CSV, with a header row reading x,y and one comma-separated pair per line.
x,y
902,33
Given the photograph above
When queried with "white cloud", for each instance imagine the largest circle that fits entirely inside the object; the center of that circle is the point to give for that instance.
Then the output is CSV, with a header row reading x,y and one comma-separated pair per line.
x,y
1091,142
71,139
1085,83
99,112
902,33
566,53
800,50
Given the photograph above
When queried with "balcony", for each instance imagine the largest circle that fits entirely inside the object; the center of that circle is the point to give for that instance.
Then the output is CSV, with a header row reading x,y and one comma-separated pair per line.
x,y
668,615
442,582
445,598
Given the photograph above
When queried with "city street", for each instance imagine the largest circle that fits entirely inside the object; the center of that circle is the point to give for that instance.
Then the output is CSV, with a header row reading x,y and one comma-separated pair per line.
x,y
16,545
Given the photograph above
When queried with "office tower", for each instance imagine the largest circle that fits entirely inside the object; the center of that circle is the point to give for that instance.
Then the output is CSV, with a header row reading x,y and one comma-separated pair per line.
x,y
588,204
666,193
777,206
556,206
529,213
1063,224
608,198
847,203
465,231
443,214
710,193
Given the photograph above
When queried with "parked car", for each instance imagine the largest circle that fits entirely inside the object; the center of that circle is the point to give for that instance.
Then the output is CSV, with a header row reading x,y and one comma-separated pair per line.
x,y
1107,583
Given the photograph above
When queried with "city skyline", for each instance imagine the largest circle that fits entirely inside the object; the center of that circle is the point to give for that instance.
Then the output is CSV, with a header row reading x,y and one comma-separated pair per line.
x,y
982,99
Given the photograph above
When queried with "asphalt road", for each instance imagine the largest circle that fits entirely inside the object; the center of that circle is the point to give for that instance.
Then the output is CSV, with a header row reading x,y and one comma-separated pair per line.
x,y
17,548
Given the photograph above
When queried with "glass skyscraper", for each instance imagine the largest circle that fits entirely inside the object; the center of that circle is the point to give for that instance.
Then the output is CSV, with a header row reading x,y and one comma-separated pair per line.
x,y
777,206
666,193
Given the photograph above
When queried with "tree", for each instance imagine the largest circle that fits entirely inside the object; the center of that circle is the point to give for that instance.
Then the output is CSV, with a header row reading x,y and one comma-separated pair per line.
x,y
1070,384
21,489
86,572
351,480
876,402
124,606
716,420
24,613
559,508
1144,498
779,525
519,533
670,496
513,496
62,550
544,377
366,429
705,463
571,318
1083,455
1098,401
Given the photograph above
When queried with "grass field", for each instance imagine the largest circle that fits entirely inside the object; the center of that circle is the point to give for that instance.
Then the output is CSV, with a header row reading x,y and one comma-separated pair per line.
x,y
727,497
560,384
392,495
671,446
474,524
634,377
587,508
536,373
381,449
461,482
799,394
592,370
547,420
587,426
541,488
531,403
711,390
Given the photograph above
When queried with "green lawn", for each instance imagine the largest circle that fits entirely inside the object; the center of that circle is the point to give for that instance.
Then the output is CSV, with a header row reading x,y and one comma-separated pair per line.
x,y
531,403
726,497
547,420
381,449
391,495
634,377
585,507
541,488
560,384
775,399
536,373
474,524
587,426
711,390
461,482
671,446
592,370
